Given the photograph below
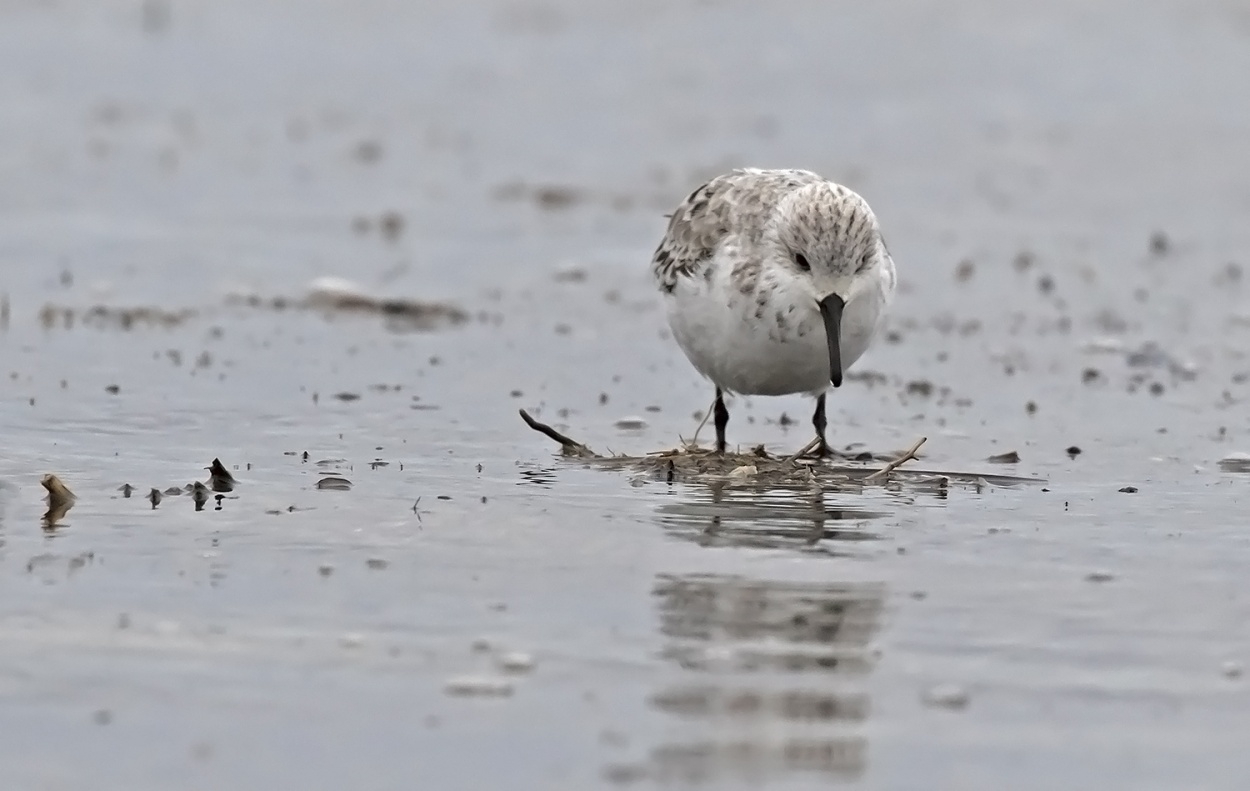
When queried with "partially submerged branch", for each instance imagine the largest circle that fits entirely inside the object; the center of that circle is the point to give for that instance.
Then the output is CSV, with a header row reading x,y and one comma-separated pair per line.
x,y
907,456
806,449
568,446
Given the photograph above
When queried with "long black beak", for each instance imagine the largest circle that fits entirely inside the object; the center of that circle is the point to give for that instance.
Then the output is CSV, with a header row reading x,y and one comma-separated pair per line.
x,y
831,310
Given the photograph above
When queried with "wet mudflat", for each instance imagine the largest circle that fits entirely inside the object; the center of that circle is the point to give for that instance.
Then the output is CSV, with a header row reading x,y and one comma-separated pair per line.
x,y
468,608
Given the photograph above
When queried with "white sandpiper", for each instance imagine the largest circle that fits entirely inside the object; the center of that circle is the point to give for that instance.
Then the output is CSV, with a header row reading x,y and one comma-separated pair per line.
x,y
775,283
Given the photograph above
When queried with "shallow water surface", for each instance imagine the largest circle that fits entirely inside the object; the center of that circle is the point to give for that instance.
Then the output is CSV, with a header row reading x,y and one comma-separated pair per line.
x,y
1061,187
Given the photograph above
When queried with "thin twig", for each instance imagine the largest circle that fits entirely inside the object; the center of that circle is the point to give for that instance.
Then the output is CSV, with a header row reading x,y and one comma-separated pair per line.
x,y
808,448
907,456
570,446
694,441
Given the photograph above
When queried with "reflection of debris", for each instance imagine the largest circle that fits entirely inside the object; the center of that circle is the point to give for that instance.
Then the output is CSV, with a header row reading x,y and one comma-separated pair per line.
x,y
154,497
126,490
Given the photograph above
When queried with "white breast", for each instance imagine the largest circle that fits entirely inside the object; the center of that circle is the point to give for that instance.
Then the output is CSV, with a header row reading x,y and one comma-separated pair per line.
x,y
772,341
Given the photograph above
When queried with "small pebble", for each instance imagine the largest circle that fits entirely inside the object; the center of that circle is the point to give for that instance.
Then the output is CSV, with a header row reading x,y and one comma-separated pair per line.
x,y
1128,489
1232,669
1099,576
480,644
631,423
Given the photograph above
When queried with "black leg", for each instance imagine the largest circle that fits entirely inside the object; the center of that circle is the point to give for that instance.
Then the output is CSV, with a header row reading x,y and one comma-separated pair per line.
x,y
818,421
721,414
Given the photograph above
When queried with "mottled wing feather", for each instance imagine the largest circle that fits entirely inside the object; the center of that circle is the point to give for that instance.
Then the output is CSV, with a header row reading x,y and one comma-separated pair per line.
x,y
740,202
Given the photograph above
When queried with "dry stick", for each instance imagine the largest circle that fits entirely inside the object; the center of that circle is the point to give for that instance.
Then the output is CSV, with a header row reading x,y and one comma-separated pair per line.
x,y
694,441
567,444
808,448
907,456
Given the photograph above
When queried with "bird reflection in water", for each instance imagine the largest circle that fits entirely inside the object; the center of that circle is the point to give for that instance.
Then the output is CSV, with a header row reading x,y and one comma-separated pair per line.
x,y
771,679
738,516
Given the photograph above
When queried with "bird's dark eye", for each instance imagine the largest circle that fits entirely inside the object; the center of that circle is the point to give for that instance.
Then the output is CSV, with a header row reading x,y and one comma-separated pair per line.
x,y
801,260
